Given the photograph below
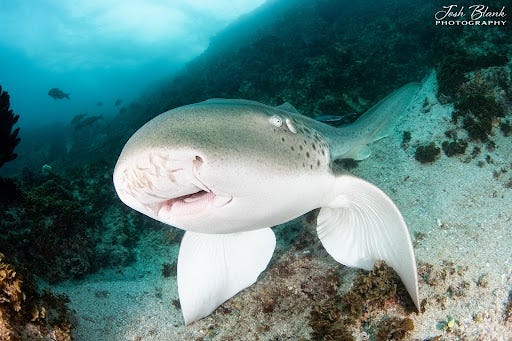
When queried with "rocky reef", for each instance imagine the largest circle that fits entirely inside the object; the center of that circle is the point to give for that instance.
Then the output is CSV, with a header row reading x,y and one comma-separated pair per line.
x,y
67,225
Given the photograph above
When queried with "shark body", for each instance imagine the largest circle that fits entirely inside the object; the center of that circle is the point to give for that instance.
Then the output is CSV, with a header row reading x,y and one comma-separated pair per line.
x,y
226,171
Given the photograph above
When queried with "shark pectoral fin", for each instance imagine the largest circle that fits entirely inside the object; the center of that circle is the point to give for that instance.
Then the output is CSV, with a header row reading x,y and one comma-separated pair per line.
x,y
214,267
361,225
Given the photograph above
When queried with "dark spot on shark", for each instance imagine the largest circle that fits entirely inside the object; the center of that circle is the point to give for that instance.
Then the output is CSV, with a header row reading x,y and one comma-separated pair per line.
x,y
318,163
292,148
313,145
307,154
300,147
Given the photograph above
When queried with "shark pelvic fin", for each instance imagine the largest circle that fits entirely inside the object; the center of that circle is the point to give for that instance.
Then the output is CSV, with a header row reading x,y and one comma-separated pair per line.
x,y
362,225
214,267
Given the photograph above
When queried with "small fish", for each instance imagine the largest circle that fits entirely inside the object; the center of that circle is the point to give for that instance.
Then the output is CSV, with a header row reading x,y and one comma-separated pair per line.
x,y
226,171
118,102
86,121
77,118
57,93
99,104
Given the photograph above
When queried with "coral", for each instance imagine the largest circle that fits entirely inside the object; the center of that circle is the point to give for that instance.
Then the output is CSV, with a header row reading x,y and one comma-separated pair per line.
x,y
8,138
427,153
10,286
27,315
455,147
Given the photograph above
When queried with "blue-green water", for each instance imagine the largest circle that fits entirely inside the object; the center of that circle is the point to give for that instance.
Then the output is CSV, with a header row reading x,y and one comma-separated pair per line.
x,y
123,64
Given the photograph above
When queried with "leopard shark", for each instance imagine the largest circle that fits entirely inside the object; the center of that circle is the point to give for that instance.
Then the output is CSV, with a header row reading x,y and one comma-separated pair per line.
x,y
228,170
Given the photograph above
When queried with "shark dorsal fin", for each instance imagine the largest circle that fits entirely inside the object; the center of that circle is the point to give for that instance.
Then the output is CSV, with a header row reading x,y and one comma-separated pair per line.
x,y
287,107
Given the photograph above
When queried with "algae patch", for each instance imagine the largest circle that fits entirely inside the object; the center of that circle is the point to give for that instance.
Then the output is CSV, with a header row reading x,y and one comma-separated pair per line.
x,y
363,304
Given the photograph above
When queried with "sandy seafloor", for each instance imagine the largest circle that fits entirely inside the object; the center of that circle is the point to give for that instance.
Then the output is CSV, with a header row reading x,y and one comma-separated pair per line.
x,y
462,209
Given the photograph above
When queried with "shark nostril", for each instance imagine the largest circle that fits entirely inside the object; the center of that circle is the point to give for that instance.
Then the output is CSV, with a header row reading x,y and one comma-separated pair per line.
x,y
198,161
196,164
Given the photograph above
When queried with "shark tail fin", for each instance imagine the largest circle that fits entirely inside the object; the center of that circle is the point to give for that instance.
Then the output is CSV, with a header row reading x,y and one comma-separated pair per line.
x,y
350,142
362,225
214,267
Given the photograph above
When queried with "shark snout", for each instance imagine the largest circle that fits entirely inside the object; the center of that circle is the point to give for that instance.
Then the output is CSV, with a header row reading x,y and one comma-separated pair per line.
x,y
151,177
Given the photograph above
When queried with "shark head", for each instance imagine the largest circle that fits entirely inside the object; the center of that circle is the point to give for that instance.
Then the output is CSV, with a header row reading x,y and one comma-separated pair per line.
x,y
210,163
226,171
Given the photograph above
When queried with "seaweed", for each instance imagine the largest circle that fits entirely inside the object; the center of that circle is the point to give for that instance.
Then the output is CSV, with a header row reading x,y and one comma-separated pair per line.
x,y
370,292
327,323
506,128
346,164
394,328
27,315
427,153
450,74
453,67
10,190
508,309
455,147
67,226
478,113
8,137
169,269
406,138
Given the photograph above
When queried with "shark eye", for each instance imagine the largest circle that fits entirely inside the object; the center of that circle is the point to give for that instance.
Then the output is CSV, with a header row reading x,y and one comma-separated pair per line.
x,y
276,121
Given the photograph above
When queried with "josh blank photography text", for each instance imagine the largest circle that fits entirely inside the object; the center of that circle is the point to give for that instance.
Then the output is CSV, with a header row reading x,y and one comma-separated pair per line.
x,y
474,15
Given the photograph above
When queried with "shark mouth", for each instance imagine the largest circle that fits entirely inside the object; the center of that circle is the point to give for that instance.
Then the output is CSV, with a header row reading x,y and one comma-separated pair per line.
x,y
190,204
